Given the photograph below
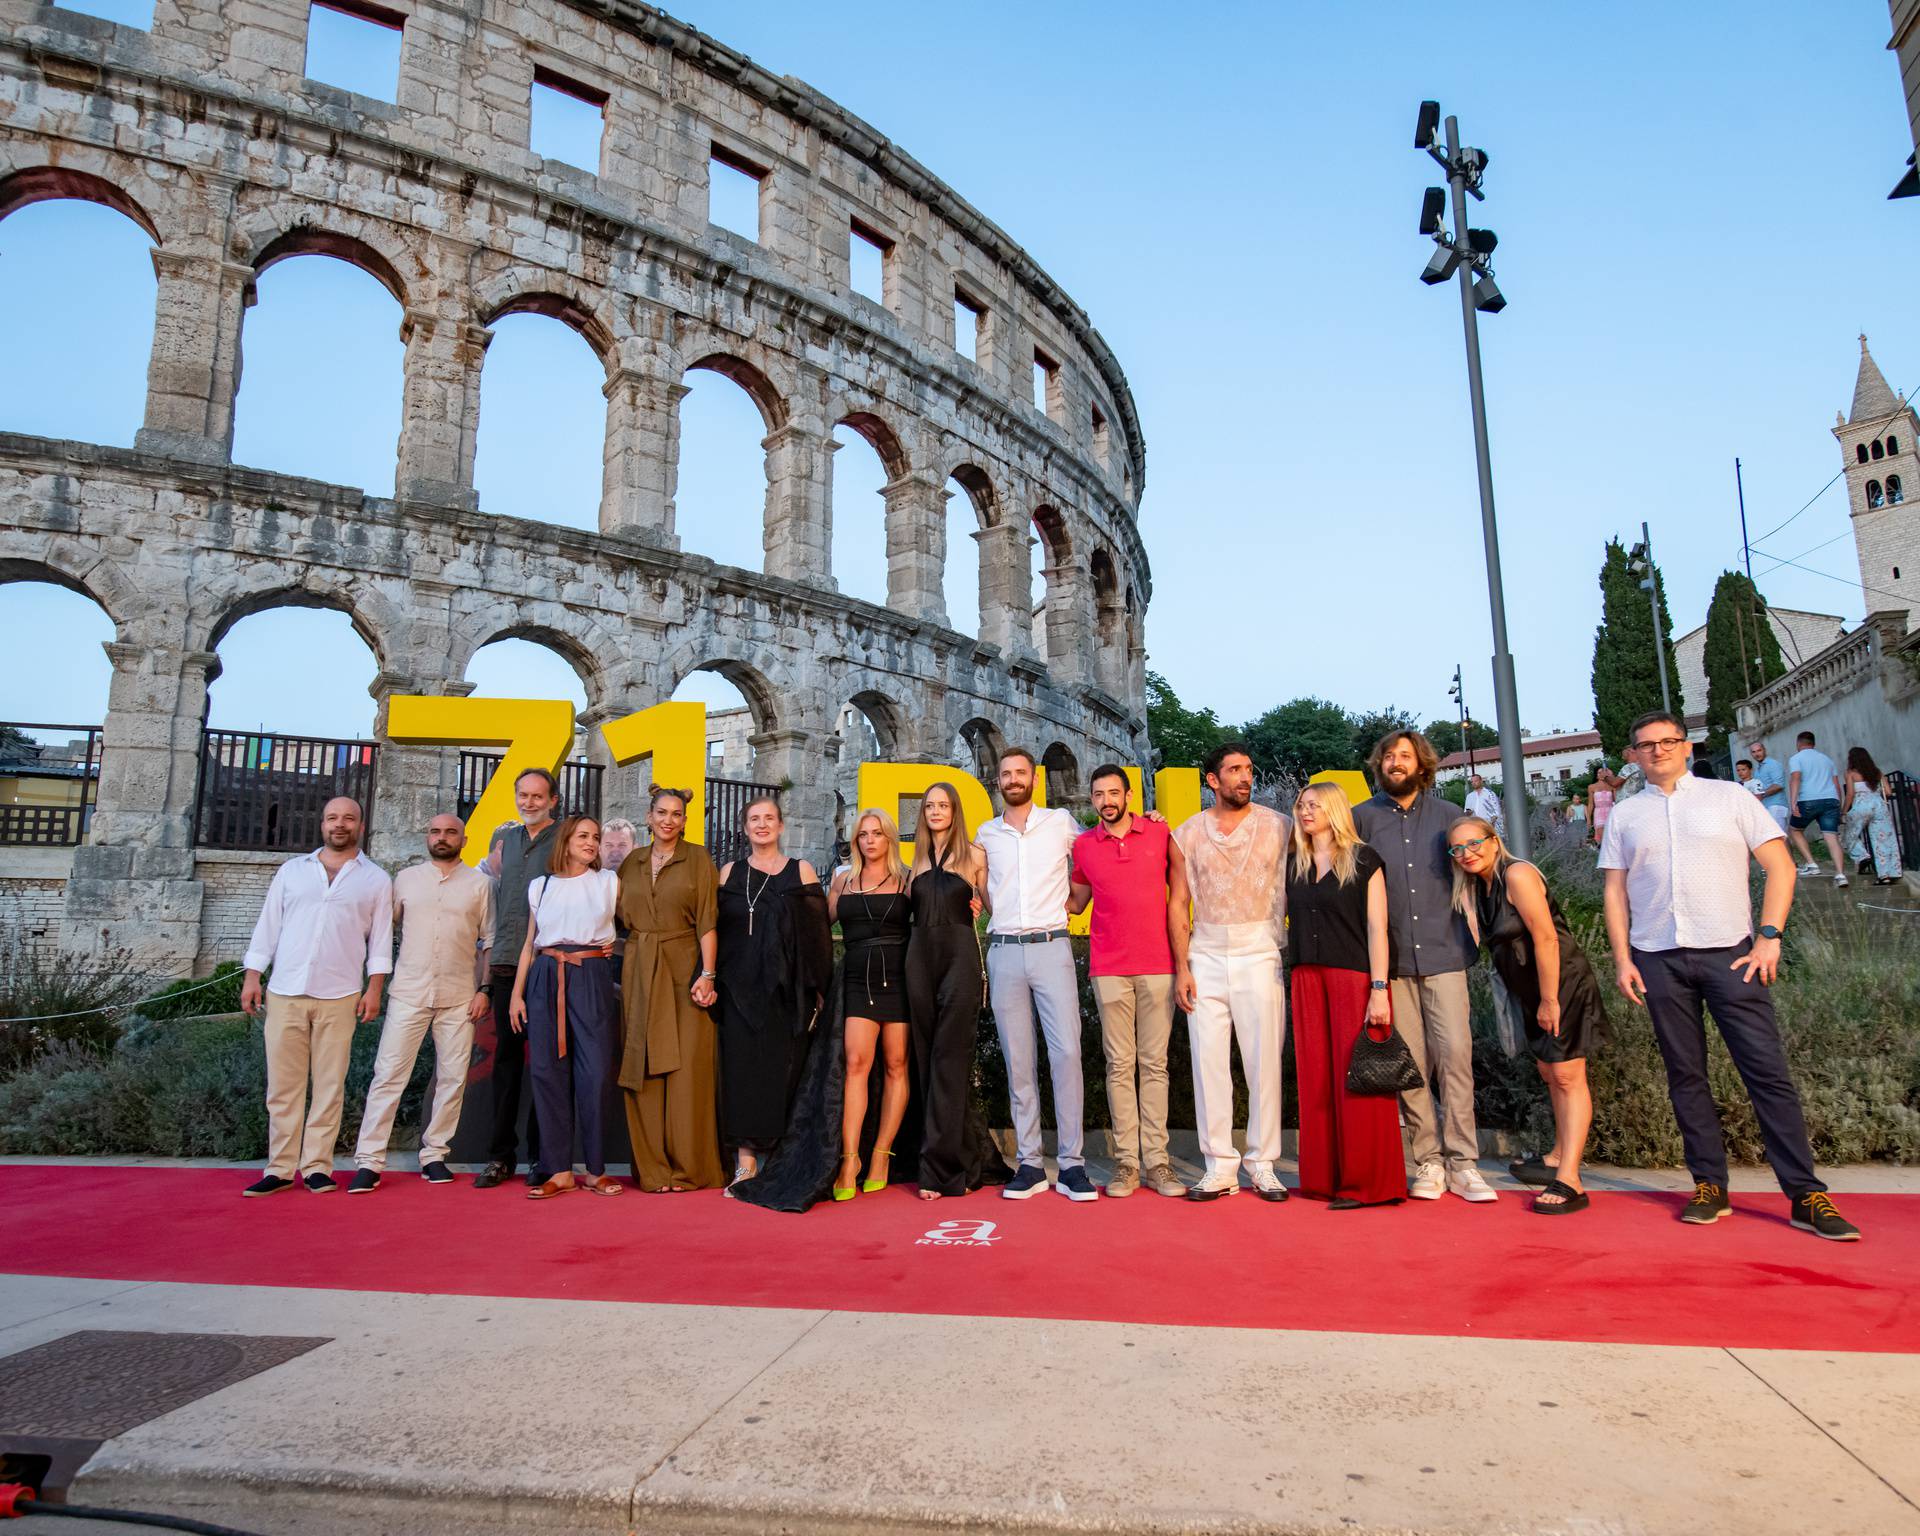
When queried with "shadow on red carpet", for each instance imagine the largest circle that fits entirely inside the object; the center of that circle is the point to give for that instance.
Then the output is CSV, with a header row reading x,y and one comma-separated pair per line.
x,y
1621,1272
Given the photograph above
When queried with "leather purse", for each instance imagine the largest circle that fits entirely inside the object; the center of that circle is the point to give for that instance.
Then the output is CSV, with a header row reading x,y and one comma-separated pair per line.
x,y
1381,1067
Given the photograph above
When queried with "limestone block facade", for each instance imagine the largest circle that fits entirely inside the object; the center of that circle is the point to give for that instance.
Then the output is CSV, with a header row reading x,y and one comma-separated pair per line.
x,y
207,133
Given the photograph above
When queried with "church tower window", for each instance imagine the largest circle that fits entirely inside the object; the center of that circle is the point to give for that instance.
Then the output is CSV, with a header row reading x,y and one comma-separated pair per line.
x,y
1893,446
1874,496
1894,494
1877,449
1860,452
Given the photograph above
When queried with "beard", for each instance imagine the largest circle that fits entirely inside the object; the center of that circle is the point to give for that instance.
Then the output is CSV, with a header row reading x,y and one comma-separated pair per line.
x,y
1016,794
1112,813
341,837
1398,779
1235,797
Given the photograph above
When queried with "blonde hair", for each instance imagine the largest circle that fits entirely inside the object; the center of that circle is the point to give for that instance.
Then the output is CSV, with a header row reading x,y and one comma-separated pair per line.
x,y
1347,842
1462,881
957,838
889,830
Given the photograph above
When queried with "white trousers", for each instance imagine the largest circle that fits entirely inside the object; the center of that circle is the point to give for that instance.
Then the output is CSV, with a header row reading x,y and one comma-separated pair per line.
x,y
1236,972
407,1025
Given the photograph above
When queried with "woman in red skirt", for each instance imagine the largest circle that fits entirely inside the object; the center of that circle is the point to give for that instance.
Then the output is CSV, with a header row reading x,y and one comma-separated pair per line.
x,y
1337,938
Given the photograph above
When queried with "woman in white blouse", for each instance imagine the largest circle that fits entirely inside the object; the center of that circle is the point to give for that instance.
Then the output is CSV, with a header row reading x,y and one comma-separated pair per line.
x,y
563,999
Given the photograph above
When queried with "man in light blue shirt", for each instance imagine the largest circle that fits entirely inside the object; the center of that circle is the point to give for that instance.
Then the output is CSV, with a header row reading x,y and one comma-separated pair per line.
x,y
1770,783
1813,795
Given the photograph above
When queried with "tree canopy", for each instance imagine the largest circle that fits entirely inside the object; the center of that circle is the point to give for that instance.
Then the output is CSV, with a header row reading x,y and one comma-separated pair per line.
x,y
1742,653
1626,668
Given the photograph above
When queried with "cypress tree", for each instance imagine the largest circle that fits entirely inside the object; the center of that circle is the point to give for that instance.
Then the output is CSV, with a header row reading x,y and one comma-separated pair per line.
x,y
1742,653
1626,672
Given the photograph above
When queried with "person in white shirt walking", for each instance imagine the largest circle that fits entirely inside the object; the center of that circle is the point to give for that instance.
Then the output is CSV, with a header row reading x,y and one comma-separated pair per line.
x,y
445,911
1680,922
1813,798
1029,851
1485,804
326,923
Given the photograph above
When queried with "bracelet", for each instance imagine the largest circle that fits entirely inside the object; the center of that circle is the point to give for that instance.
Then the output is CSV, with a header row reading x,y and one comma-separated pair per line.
x,y
707,976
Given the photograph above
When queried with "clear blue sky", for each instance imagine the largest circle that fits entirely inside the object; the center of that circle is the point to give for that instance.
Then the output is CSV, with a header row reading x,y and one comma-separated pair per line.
x,y
1690,203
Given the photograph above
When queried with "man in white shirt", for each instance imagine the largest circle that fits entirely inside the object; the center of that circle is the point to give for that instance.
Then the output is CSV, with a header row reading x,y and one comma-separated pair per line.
x,y
445,911
1813,796
1485,804
1680,922
326,922
1029,851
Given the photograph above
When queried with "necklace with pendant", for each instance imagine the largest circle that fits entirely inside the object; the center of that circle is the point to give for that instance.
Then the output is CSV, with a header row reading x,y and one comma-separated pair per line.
x,y
753,900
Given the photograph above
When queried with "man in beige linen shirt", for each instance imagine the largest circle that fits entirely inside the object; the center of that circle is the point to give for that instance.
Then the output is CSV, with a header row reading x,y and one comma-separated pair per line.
x,y
445,911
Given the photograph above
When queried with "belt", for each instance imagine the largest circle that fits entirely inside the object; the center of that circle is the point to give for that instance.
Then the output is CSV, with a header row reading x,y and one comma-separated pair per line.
x,y
1027,938
566,958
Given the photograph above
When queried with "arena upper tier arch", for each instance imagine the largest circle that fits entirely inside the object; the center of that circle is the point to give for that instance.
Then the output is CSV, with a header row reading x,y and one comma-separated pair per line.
x,y
205,131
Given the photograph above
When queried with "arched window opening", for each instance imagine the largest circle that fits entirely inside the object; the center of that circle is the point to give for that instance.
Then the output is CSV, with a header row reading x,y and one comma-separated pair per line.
x,y
1893,445
1063,777
77,288
969,510
859,516
294,670
320,393
1895,495
1874,497
1860,452
1877,449
731,722
977,746
1047,550
51,714
1037,591
543,423
720,504
514,667
864,732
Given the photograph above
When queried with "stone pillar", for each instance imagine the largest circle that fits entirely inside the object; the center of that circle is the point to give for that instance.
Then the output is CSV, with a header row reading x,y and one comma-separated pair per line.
x,y
801,763
1005,601
193,373
133,885
1066,620
799,519
642,450
1112,649
440,407
916,547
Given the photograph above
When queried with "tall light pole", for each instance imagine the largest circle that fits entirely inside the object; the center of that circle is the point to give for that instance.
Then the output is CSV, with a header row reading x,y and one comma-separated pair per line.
x,y
1468,253
1640,562
1459,694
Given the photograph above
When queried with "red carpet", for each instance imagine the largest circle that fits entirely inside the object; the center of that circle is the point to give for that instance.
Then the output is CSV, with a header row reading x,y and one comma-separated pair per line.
x,y
1622,1272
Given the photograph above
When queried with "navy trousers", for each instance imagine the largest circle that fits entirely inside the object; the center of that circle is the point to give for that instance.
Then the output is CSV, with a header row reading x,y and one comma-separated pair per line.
x,y
571,1092
1679,982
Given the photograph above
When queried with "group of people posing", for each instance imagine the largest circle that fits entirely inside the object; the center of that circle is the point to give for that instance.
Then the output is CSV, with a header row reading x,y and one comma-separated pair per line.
x,y
727,1025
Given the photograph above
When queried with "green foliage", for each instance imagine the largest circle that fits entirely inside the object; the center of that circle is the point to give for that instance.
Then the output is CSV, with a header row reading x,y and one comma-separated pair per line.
x,y
85,993
1370,726
1182,736
1298,739
1626,669
188,998
1445,736
1742,653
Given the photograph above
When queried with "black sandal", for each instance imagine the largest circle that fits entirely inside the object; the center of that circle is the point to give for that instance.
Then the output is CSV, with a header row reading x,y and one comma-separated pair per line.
x,y
1533,1170
1571,1200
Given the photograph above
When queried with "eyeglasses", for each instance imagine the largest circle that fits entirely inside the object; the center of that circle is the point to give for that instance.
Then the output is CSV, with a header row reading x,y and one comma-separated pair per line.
x,y
1660,744
1461,850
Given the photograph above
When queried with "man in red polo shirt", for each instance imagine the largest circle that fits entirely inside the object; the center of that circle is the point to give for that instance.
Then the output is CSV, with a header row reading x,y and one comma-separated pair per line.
x,y
1122,866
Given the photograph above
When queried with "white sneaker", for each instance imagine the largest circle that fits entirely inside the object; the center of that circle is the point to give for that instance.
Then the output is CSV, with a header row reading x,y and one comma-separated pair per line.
x,y
1809,868
1469,1185
1216,1186
1840,882
1266,1183
1429,1181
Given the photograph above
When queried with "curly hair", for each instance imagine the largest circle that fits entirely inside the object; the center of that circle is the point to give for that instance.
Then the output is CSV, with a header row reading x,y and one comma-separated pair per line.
x,y
1429,760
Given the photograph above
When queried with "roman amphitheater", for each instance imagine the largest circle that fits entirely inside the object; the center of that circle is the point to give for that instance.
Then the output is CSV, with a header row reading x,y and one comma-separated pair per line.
x,y
206,131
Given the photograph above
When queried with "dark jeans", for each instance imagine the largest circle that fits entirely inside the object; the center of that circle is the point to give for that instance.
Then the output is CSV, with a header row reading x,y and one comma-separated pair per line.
x,y
509,1076
1678,982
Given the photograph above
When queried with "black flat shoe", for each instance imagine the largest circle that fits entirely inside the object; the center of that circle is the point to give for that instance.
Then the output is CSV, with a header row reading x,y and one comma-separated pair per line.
x,y
320,1183
1570,1200
1344,1204
493,1175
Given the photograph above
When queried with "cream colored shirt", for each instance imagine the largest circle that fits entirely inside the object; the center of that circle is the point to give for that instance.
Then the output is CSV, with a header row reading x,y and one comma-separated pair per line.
x,y
1237,879
445,920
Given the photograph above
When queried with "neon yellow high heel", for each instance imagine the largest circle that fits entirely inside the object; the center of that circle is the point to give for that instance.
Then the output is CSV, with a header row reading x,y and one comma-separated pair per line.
x,y
873,1186
847,1191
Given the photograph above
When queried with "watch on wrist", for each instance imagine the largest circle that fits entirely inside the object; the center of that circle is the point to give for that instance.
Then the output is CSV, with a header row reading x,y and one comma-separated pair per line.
x,y
1379,986
1768,931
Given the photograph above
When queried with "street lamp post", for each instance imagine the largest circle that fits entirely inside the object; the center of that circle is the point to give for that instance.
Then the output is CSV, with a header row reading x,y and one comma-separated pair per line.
x,y
1642,565
1467,253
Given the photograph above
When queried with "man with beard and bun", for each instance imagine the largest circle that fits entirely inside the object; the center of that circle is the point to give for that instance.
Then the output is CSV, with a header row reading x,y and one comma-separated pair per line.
x,y
1122,866
327,922
1029,851
1226,959
1431,950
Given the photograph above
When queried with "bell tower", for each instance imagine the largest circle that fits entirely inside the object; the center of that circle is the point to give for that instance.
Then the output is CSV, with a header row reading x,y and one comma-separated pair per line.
x,y
1882,462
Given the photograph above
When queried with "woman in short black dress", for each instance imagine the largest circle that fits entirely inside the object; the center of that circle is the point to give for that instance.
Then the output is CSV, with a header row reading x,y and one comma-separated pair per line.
x,y
870,903
1547,972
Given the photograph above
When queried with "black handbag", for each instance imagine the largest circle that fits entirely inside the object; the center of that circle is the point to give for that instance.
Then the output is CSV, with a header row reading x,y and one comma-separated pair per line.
x,y
1381,1067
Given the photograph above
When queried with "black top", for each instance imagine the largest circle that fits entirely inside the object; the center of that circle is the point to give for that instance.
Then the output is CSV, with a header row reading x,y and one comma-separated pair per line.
x,y
1327,921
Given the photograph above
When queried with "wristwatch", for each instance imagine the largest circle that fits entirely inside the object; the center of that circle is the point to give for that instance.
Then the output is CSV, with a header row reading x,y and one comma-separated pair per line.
x,y
1768,931
1379,986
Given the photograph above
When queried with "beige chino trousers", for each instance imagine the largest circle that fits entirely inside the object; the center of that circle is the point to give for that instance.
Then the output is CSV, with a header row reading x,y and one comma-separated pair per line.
x,y
406,1027
1136,1024
1432,1015
308,1041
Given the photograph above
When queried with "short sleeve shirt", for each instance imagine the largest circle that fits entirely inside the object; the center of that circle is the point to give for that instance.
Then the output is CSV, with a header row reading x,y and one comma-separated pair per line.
x,y
1128,877
1685,853
1819,780
1770,775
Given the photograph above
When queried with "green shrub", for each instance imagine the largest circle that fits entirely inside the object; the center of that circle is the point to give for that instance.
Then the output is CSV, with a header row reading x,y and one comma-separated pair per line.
x,y
50,997
189,998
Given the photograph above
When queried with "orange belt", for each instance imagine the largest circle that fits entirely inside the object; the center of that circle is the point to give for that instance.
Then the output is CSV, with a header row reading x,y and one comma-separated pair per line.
x,y
565,958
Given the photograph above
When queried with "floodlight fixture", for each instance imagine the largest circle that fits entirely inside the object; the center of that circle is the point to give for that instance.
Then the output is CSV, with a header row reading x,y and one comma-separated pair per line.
x,y
1443,264
1482,241
1474,163
1487,296
1427,129
1433,208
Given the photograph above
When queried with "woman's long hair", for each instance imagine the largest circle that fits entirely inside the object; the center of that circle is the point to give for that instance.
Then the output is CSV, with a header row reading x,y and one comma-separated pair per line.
x,y
563,839
956,838
1860,761
1462,881
1347,842
895,868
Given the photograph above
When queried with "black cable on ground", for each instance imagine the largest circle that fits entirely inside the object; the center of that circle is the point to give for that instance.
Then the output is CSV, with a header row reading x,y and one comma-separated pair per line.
x,y
23,1503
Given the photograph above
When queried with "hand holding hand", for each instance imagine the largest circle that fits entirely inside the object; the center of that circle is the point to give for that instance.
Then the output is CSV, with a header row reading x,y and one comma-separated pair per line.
x,y
703,992
367,1007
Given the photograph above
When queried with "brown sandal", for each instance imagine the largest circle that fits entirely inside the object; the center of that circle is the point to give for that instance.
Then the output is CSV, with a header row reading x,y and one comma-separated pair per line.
x,y
601,1184
551,1188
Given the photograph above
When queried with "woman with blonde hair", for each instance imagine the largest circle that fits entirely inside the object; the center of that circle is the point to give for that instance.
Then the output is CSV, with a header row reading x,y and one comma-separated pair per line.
x,y
1337,936
1543,966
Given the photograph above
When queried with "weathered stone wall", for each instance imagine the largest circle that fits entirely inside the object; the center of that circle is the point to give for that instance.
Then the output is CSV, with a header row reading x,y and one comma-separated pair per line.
x,y
33,894
206,132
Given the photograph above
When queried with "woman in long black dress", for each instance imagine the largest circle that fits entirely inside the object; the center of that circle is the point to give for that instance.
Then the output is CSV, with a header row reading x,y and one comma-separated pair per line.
x,y
945,979
775,958
870,903
1544,967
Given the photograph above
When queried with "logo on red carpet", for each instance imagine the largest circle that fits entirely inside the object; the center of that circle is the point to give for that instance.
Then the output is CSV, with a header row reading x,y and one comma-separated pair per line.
x,y
958,1234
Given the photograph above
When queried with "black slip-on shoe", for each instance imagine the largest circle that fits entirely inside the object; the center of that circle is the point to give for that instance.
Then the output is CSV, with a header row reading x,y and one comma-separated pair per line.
x,y
365,1182
270,1184
436,1173
320,1183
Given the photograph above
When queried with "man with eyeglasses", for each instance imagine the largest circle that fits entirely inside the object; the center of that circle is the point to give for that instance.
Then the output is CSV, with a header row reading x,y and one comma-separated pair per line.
x,y
1680,922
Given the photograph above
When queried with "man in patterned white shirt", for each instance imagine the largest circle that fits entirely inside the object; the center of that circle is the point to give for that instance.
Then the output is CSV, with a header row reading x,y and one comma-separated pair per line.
x,y
1680,920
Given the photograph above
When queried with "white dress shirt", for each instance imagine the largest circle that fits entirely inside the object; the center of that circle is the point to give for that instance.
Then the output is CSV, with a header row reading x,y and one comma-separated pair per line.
x,y
1485,804
1028,872
320,936
1685,854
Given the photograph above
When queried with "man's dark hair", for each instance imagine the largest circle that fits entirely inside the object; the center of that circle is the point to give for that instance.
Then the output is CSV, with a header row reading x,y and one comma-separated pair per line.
x,y
1654,717
1007,752
1109,771
1217,758
1426,759
1807,737
553,784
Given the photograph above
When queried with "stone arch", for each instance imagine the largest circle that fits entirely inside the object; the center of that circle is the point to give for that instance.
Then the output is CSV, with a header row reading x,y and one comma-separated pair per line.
x,y
49,183
372,618
759,387
1063,775
882,438
303,238
984,742
555,296
978,485
762,689
101,583
557,631
1109,624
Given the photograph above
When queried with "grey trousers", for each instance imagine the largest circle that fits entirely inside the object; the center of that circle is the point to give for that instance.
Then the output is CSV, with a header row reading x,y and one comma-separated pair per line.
x,y
1023,979
1431,1013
